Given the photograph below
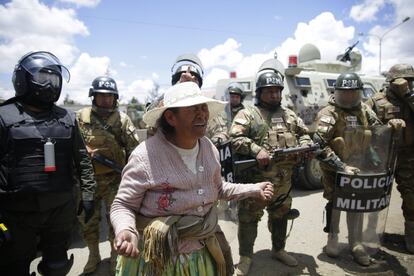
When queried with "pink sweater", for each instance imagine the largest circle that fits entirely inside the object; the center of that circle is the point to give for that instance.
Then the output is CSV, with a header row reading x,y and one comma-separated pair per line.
x,y
156,182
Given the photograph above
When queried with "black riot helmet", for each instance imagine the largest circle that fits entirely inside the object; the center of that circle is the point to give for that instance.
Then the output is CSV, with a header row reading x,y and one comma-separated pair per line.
x,y
236,88
268,78
184,63
104,85
348,90
37,78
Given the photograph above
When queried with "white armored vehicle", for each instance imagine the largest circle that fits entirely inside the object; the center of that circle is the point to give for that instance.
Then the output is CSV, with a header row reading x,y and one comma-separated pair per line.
x,y
309,82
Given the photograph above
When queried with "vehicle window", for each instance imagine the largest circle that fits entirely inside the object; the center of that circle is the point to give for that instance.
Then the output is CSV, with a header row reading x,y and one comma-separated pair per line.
x,y
300,81
368,92
330,83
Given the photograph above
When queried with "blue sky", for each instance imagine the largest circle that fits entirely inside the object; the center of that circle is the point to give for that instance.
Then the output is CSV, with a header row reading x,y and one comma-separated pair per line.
x,y
136,42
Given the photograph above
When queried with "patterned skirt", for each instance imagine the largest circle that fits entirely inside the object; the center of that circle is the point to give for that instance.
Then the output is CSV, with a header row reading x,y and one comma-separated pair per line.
x,y
197,263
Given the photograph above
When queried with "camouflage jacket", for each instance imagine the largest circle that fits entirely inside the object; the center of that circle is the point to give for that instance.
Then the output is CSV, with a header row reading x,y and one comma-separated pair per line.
x,y
115,137
388,106
255,128
218,128
344,132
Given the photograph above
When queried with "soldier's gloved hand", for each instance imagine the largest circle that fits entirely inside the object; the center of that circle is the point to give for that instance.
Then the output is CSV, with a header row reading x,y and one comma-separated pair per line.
x,y
400,87
396,124
351,170
88,207
263,158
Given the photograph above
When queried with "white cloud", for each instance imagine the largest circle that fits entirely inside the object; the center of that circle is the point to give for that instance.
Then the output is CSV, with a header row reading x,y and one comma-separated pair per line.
x,y
221,55
138,89
396,44
331,36
28,25
123,64
155,76
215,74
5,93
83,3
367,10
83,72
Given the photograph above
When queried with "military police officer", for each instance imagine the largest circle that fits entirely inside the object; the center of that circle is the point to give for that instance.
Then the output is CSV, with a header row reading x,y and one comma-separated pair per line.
x,y
108,133
41,150
218,129
256,130
342,132
397,102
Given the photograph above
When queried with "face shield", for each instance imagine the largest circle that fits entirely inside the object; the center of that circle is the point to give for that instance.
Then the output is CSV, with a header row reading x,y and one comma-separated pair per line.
x,y
186,65
42,64
348,98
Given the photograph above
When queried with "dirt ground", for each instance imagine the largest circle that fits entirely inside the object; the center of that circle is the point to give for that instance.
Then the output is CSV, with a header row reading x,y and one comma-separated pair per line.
x,y
306,243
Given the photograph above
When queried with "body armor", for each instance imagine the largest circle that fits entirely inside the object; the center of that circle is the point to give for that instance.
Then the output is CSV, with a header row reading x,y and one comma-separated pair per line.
x,y
23,162
104,136
389,107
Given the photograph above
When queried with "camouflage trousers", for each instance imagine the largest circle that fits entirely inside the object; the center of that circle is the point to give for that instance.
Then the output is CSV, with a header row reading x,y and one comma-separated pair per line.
x,y
251,210
328,181
105,192
404,176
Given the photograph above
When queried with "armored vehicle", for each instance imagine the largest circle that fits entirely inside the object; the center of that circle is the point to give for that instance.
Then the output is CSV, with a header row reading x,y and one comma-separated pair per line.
x,y
308,85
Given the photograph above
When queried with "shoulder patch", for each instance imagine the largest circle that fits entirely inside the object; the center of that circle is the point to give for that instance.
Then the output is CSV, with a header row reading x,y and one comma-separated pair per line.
x,y
241,121
327,119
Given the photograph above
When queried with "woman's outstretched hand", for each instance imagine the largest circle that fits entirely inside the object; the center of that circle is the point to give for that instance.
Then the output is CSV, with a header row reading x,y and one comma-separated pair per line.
x,y
125,244
267,190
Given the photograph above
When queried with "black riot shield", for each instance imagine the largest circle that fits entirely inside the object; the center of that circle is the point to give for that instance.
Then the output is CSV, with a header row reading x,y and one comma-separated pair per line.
x,y
227,209
226,161
360,202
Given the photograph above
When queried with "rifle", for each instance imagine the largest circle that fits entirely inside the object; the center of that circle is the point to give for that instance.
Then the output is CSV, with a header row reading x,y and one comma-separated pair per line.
x,y
107,162
345,57
276,154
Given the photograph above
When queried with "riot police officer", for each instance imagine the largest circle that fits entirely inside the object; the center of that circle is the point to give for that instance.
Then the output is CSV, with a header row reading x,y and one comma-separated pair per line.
x,y
41,150
255,131
397,102
108,133
187,67
343,133
218,129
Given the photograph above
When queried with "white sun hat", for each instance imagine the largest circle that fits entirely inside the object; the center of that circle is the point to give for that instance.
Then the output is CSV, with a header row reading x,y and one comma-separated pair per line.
x,y
182,95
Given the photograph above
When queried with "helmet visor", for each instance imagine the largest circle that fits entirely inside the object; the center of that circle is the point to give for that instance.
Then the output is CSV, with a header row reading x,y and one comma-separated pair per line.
x,y
34,63
348,98
45,77
186,65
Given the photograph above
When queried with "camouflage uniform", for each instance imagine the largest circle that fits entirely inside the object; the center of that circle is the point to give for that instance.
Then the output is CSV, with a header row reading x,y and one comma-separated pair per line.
x,y
389,106
115,138
253,129
219,127
334,123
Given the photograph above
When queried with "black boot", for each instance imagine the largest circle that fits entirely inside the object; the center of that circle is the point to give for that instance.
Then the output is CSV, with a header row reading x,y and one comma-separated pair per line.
x,y
278,229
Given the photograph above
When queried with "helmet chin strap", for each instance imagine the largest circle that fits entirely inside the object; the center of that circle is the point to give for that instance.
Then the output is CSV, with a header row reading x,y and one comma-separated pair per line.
x,y
270,107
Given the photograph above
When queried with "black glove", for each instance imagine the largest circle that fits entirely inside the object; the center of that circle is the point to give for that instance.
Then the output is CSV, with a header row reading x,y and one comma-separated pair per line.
x,y
88,207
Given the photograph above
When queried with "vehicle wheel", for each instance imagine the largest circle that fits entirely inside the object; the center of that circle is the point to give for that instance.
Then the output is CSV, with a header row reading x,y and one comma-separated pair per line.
x,y
307,175
313,173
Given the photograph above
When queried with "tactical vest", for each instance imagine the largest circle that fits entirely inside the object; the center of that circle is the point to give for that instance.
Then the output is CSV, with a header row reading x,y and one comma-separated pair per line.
x,y
387,110
352,135
279,126
23,162
105,136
